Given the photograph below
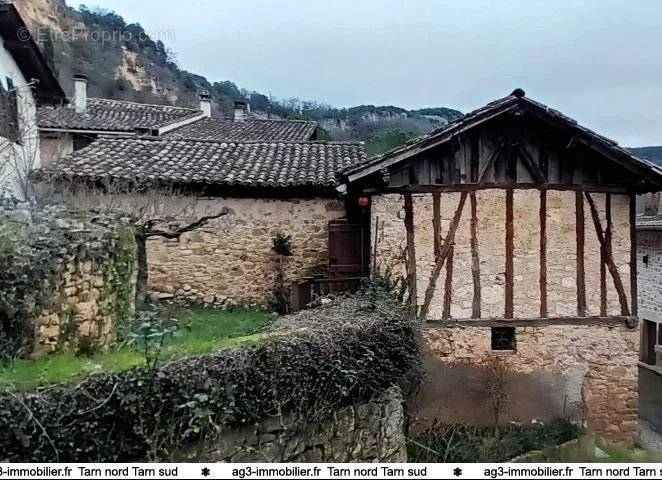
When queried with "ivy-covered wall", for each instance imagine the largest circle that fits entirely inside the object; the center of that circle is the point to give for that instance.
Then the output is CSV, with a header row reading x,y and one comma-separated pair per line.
x,y
67,280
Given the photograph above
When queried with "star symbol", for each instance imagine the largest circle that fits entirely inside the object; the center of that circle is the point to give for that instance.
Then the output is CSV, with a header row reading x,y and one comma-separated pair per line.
x,y
205,472
457,471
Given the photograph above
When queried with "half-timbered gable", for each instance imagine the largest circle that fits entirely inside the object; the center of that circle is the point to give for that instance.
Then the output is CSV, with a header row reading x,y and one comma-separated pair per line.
x,y
535,210
514,230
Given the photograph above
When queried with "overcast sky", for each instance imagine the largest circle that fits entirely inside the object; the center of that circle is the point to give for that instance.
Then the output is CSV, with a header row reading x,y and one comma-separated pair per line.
x,y
597,61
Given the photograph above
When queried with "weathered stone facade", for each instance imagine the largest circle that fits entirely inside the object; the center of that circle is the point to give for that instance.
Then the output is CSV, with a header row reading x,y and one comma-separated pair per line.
x,y
599,364
229,260
649,258
369,432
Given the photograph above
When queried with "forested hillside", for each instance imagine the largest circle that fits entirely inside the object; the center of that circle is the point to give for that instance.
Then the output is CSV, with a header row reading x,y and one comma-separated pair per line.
x,y
123,62
652,154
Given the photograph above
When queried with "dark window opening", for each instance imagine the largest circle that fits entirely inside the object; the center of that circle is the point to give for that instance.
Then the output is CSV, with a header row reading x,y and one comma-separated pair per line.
x,y
82,141
503,338
648,338
645,259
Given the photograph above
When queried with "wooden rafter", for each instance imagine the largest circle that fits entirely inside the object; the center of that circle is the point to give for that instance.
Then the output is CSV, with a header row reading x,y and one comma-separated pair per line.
x,y
490,161
530,165
441,257
618,284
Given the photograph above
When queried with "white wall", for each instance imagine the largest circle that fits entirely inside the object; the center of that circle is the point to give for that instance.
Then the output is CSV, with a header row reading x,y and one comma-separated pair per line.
x,y
17,160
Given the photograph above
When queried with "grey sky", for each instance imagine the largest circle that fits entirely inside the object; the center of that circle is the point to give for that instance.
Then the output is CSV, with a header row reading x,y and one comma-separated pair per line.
x,y
598,61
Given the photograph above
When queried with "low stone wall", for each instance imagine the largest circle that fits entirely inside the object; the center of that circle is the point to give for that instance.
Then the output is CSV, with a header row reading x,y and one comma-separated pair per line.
x,y
370,432
68,281
585,372
229,261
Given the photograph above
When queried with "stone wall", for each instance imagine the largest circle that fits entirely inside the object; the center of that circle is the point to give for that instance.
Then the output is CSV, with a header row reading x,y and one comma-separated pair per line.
x,y
230,261
370,432
68,281
649,246
581,371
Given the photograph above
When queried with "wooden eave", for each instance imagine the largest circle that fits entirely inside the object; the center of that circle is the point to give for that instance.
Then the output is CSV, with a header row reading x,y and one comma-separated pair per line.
x,y
649,174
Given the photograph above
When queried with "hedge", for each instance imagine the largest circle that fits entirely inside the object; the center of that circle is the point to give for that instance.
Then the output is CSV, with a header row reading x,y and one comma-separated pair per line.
x,y
311,364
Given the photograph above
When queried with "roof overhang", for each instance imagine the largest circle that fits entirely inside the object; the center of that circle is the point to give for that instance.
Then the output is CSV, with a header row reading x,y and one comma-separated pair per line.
x,y
647,171
28,56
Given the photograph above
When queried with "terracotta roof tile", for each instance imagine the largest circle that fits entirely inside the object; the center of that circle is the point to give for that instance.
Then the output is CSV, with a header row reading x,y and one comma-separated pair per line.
x,y
113,115
257,164
246,130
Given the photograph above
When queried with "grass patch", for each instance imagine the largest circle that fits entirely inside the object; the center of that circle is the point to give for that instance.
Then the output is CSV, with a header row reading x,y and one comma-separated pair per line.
x,y
210,330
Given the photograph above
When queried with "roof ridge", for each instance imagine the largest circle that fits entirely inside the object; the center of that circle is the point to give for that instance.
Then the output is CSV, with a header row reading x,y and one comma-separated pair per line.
x,y
145,104
263,120
211,140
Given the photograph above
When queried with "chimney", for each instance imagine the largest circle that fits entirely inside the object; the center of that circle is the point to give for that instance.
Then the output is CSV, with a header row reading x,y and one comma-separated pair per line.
x,y
241,110
80,93
205,103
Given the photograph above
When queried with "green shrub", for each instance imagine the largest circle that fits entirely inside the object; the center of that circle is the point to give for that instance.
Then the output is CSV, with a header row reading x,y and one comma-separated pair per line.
x,y
350,352
466,443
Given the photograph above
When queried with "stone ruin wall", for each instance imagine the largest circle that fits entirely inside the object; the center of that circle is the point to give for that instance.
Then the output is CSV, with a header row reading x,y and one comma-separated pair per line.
x,y
229,261
370,432
82,289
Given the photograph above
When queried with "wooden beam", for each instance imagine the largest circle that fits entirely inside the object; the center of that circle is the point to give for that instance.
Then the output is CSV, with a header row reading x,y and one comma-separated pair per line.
x,y
543,253
509,310
436,222
603,257
475,259
634,301
490,160
581,274
441,258
618,284
473,187
531,166
626,321
411,250
448,286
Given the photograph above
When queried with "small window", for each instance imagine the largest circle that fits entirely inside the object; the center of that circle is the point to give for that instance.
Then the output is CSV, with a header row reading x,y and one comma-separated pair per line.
x,y
503,338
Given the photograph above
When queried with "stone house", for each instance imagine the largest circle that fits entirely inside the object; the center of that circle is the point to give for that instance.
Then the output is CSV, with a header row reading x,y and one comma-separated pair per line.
x,y
268,187
514,229
26,81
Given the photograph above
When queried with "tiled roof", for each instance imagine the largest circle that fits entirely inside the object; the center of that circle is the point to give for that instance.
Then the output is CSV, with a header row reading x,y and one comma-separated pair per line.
x,y
114,115
513,101
246,130
652,222
255,164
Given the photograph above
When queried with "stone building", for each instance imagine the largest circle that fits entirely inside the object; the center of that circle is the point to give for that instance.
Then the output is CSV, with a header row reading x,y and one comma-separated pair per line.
x,y
268,187
26,82
67,127
514,229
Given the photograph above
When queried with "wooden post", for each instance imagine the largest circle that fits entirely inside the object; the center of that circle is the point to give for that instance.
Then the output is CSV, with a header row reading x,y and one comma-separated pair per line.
x,y
543,254
411,249
509,255
581,274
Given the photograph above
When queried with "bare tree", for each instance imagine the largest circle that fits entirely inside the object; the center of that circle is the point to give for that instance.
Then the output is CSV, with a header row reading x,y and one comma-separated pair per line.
x,y
154,211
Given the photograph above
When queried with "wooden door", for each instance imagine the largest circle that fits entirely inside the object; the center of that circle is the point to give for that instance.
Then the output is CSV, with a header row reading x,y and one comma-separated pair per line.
x,y
348,249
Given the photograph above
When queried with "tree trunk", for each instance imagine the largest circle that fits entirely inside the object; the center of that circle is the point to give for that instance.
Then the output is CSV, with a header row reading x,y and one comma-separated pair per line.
x,y
141,281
